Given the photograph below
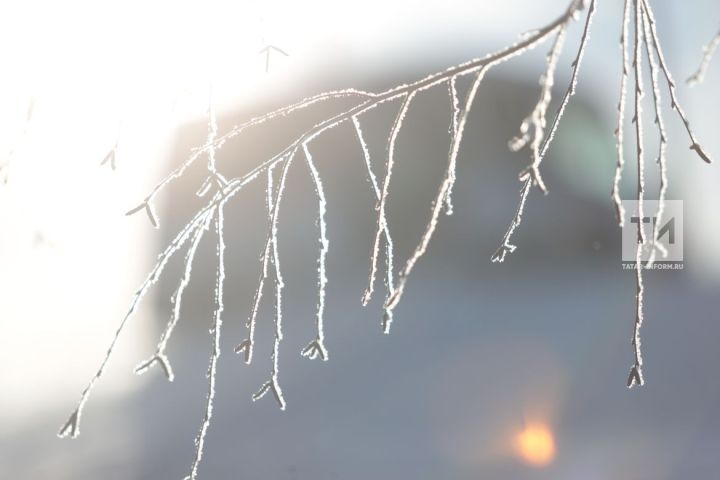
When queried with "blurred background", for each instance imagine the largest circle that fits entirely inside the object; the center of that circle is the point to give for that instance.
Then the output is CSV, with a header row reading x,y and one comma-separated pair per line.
x,y
498,371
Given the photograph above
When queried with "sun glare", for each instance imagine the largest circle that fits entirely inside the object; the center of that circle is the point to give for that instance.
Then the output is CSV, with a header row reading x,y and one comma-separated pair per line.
x,y
535,445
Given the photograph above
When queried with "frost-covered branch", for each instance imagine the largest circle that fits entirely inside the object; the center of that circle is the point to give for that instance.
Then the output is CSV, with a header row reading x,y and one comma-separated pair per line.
x,y
217,143
708,52
420,250
507,247
646,37
382,222
160,356
694,144
387,238
538,117
247,346
271,255
636,375
620,163
216,334
533,133
72,426
317,347
214,177
227,189
655,244
455,104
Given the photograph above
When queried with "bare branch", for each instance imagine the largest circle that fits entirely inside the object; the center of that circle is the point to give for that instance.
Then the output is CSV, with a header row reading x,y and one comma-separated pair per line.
x,y
71,427
538,117
271,251
247,346
506,247
694,144
655,244
389,246
317,346
636,375
382,223
215,331
110,157
455,104
420,250
708,52
159,356
619,209
226,189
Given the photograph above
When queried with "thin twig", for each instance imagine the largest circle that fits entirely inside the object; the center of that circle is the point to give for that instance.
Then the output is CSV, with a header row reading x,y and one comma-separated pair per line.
x,y
506,247
655,244
636,374
247,346
455,105
382,223
619,209
271,250
694,145
708,52
159,356
538,117
420,250
72,426
389,246
317,347
215,356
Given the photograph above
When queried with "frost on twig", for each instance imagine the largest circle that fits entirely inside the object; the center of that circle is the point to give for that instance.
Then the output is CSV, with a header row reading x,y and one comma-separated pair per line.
x,y
160,356
214,177
708,52
506,247
647,39
389,247
655,244
674,103
216,335
71,427
538,117
247,346
317,347
420,250
454,126
620,163
270,255
382,222
636,376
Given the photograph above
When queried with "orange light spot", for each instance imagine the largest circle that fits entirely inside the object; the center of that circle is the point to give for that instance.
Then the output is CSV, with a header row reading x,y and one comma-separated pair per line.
x,y
535,445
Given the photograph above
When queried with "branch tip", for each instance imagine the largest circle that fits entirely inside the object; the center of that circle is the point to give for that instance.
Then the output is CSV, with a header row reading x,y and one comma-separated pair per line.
x,y
315,349
270,385
71,428
245,347
700,152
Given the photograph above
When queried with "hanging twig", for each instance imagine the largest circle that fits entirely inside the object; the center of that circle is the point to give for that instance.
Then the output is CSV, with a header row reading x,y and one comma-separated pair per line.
x,y
619,209
708,52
